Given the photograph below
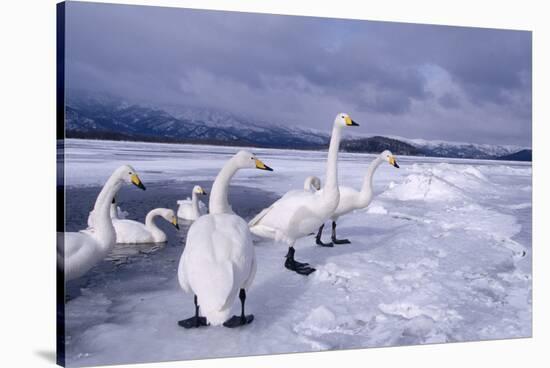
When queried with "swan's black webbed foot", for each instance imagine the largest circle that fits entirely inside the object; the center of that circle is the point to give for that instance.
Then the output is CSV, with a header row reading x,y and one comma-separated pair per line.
x,y
237,321
290,259
193,322
337,241
298,267
318,240
320,243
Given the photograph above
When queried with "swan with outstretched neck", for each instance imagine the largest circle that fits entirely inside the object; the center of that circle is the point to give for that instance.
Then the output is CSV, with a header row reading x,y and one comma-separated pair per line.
x,y
218,260
192,209
301,212
351,199
134,232
78,252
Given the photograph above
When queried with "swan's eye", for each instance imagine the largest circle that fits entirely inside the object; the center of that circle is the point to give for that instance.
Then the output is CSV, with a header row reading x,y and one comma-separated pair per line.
x,y
130,173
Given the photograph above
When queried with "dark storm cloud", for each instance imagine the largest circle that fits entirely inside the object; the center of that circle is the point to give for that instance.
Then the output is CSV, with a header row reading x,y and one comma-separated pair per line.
x,y
402,79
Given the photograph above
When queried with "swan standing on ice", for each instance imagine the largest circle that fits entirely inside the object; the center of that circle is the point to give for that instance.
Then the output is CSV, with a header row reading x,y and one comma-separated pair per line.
x,y
78,252
218,260
192,209
134,232
301,212
351,199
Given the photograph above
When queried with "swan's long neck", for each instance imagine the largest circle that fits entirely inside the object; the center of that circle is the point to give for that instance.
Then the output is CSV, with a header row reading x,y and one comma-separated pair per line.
x,y
102,210
218,199
149,220
195,203
331,177
366,193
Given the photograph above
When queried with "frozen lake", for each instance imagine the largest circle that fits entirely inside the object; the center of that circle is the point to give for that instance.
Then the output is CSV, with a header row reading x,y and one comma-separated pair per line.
x,y
437,257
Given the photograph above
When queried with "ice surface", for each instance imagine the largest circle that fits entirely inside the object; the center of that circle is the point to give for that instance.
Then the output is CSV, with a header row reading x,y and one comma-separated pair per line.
x,y
442,254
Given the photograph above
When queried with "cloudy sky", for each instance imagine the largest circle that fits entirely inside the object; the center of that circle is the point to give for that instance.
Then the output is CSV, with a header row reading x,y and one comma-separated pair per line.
x,y
416,81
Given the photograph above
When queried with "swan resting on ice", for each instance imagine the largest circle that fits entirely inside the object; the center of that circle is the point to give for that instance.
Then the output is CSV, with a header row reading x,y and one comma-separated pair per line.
x,y
351,199
134,232
301,212
192,208
78,252
218,260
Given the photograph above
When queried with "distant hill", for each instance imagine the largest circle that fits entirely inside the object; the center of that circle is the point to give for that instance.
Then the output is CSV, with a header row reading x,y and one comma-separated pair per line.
x,y
90,117
523,155
378,144
99,117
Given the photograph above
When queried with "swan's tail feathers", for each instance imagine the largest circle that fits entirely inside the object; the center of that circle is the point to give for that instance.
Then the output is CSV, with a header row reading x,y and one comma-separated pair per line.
x,y
216,317
263,231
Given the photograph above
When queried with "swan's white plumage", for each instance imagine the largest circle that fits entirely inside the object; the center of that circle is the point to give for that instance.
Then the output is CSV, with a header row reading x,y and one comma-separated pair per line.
x,y
134,232
78,252
186,212
116,213
192,208
300,212
218,259
294,215
81,251
352,199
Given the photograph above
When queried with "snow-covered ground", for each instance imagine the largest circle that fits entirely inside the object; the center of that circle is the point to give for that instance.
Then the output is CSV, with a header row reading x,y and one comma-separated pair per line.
x,y
442,254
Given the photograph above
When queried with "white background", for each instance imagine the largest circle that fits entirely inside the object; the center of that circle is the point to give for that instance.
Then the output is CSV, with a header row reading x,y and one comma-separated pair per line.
x,y
27,180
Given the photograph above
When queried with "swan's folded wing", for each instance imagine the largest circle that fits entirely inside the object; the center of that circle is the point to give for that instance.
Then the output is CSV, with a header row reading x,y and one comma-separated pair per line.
x,y
285,209
259,216
280,202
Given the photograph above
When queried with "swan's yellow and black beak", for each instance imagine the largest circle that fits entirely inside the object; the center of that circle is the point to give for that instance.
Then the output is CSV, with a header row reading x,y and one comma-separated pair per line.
x,y
393,162
260,165
350,122
135,180
203,192
175,222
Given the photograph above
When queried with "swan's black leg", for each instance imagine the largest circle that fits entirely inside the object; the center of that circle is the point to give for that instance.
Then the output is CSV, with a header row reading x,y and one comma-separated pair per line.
x,y
194,321
290,259
298,267
337,241
243,319
318,238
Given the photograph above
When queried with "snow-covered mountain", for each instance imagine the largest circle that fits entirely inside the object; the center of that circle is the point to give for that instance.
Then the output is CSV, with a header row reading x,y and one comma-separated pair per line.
x,y
105,117
438,148
91,117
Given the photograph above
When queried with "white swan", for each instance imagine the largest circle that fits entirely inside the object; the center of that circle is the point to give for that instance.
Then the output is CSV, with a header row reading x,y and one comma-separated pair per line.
x,y
218,260
134,232
300,212
192,209
77,252
312,184
116,213
351,199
